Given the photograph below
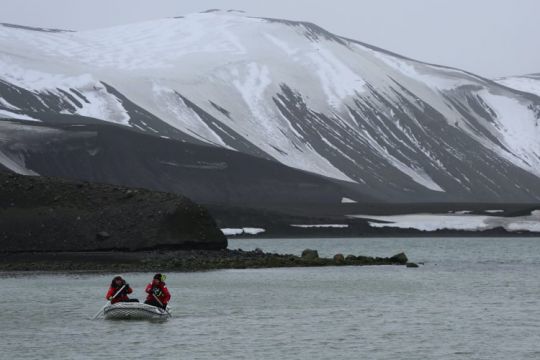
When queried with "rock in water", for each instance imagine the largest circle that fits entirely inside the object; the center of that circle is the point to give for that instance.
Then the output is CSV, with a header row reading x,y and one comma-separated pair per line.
x,y
339,258
400,258
309,254
412,265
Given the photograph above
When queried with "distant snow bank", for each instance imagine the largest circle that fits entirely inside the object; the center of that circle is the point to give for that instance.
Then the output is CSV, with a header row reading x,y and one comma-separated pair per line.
x,y
434,222
240,231
321,226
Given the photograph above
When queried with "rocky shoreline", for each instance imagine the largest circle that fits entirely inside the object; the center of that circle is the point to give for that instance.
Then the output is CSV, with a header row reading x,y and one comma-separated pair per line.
x,y
181,260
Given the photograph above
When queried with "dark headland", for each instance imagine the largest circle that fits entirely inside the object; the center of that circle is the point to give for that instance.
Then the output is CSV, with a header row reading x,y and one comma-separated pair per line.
x,y
55,224
48,214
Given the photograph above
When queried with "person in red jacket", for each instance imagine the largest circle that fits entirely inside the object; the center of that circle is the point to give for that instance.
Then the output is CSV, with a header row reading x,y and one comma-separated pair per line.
x,y
118,283
158,294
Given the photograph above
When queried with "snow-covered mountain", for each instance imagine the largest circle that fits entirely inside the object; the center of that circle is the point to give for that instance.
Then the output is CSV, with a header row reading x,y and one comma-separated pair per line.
x,y
527,83
374,122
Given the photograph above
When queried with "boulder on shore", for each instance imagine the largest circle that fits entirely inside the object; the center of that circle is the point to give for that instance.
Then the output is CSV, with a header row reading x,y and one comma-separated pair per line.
x,y
309,254
400,258
339,258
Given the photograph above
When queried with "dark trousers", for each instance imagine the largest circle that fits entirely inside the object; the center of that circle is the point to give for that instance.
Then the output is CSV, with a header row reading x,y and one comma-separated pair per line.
x,y
153,302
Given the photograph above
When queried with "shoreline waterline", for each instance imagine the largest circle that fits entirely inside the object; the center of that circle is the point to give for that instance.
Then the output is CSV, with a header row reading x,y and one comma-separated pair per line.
x,y
182,261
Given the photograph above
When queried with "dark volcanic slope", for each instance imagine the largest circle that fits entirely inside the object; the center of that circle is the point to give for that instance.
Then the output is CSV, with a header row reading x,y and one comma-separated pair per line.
x,y
45,214
97,151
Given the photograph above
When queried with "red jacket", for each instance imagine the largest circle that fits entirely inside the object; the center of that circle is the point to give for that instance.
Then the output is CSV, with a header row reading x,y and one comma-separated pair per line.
x,y
163,293
120,297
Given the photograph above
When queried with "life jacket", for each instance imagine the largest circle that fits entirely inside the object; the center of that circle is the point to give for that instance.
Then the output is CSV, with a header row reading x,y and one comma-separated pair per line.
x,y
160,291
123,296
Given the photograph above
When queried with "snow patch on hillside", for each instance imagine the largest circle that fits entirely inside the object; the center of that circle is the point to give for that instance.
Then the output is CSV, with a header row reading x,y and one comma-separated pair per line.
x,y
519,128
437,78
281,44
522,83
252,88
178,114
415,173
97,102
37,80
338,81
5,114
434,222
16,165
242,231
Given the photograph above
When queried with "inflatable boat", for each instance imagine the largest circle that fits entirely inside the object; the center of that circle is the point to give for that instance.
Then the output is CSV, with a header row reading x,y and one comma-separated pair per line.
x,y
134,311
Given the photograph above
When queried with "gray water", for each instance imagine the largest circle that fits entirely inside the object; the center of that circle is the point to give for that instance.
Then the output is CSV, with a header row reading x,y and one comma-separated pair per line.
x,y
473,299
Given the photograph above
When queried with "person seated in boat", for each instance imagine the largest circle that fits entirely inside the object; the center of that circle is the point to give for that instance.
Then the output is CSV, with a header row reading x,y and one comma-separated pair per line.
x,y
158,294
118,283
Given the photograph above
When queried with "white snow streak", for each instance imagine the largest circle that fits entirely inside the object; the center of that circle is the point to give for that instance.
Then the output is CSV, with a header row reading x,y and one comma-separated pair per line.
x,y
11,115
252,88
282,45
338,81
18,166
179,115
417,174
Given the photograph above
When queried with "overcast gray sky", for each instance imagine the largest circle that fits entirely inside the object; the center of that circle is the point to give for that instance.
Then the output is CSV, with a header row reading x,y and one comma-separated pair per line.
x,y
488,37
